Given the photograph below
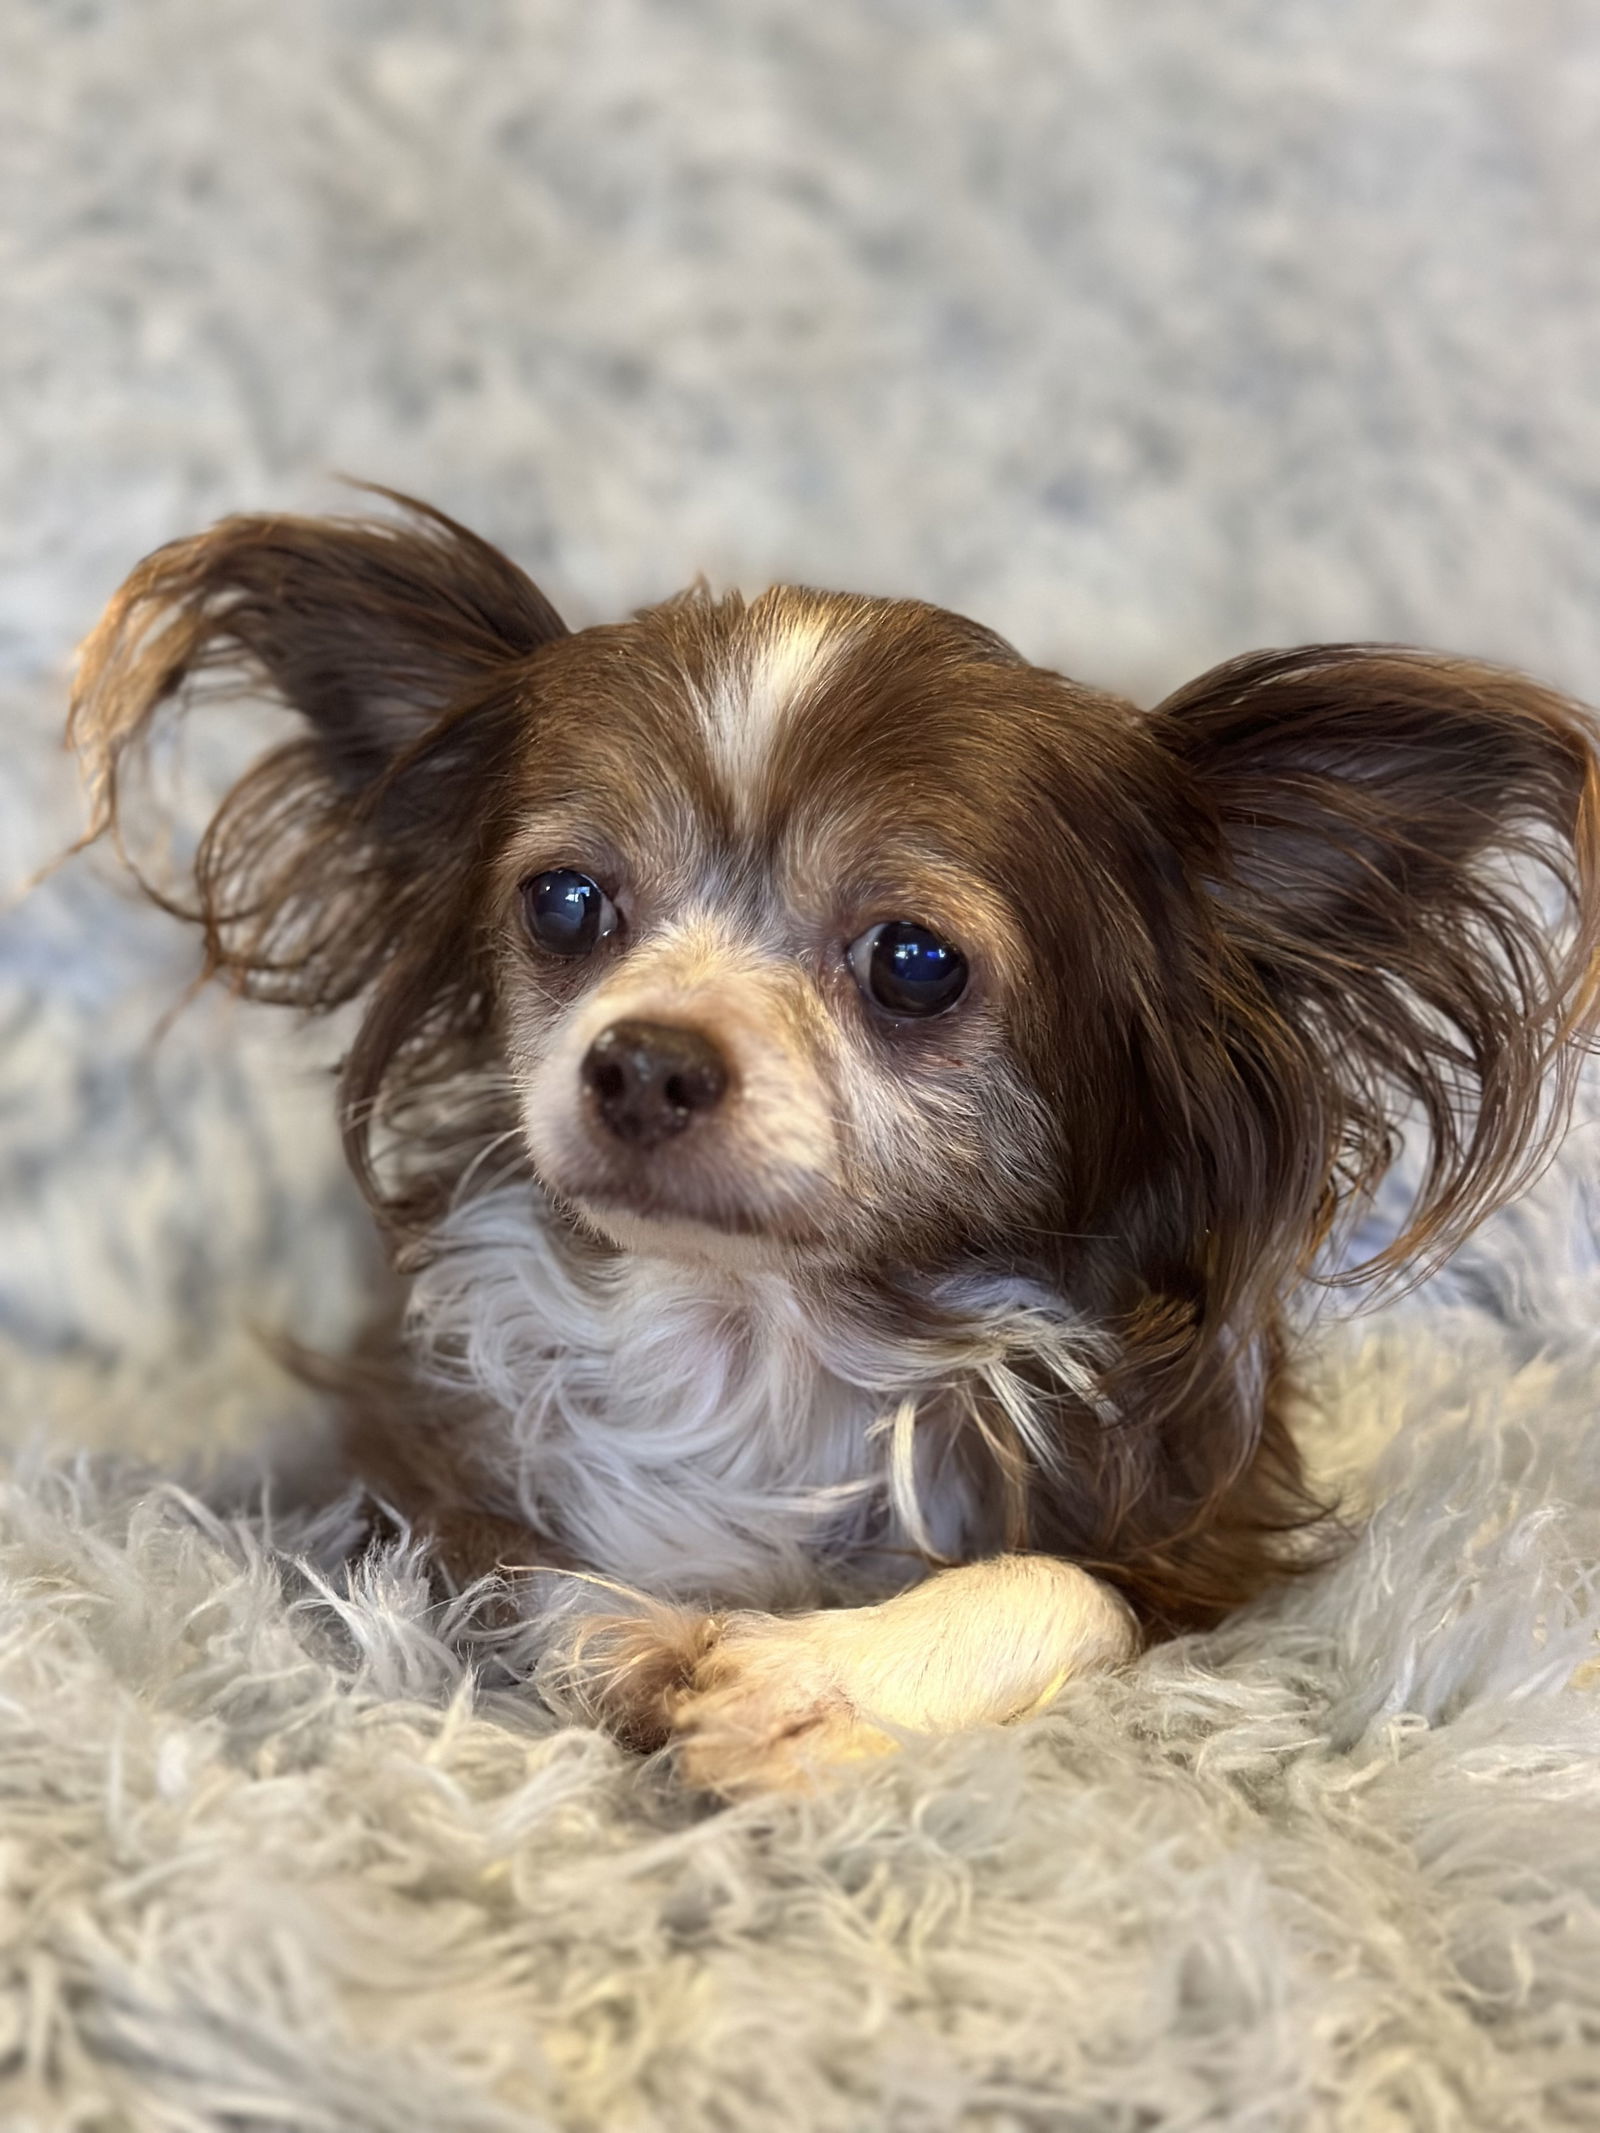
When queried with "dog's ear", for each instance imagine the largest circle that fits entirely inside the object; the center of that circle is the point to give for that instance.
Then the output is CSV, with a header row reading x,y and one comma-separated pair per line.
x,y
393,640
1404,864
350,860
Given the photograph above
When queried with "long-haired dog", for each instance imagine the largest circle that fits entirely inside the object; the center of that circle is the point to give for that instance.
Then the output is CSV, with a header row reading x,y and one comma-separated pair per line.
x,y
852,1105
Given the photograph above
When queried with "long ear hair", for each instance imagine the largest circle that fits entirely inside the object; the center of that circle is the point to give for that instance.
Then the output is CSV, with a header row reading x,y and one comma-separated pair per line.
x,y
346,862
1406,876
1393,912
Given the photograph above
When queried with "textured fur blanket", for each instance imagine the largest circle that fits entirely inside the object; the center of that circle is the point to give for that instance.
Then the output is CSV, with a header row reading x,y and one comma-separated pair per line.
x,y
1146,340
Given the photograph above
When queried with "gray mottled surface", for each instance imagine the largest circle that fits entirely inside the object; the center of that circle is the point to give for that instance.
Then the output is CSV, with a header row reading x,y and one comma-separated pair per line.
x,y
1146,335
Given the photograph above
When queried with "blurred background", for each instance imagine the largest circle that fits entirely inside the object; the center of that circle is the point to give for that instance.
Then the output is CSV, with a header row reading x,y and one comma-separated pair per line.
x,y
1146,335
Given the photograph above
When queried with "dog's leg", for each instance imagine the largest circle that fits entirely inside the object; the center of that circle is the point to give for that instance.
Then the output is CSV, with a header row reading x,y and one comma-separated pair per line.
x,y
771,1701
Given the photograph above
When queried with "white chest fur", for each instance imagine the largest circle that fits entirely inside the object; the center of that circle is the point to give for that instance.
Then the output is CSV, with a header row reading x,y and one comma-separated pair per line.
x,y
710,1435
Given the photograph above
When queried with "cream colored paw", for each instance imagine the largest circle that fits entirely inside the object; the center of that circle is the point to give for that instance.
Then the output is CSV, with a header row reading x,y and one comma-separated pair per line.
x,y
775,1702
770,1709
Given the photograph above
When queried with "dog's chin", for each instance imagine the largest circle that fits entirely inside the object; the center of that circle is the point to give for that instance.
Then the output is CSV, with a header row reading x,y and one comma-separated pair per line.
x,y
733,1238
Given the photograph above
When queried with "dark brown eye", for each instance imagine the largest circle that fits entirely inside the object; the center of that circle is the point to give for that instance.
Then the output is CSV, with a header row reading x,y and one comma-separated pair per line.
x,y
566,912
907,969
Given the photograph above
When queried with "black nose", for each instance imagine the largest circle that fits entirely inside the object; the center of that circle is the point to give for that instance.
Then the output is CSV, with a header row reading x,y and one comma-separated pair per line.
x,y
651,1078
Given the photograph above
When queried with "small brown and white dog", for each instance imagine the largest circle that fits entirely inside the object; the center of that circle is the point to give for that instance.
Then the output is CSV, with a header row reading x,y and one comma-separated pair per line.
x,y
851,1105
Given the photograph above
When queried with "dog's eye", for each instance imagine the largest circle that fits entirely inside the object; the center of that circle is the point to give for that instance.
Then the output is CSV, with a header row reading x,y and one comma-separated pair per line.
x,y
907,970
566,912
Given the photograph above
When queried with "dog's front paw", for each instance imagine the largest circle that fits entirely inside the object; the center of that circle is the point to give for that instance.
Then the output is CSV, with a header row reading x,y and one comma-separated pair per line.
x,y
757,1703
749,1702
770,1708
778,1701
630,1672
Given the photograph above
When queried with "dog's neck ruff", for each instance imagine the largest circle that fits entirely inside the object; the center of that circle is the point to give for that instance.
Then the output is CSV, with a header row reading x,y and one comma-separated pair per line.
x,y
728,1438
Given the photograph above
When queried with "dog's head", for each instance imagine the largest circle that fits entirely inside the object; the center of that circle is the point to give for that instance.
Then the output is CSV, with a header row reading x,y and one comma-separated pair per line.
x,y
817,919
827,932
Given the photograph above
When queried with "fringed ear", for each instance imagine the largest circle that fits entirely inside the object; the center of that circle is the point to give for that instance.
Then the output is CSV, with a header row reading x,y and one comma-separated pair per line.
x,y
1405,870
348,861
389,638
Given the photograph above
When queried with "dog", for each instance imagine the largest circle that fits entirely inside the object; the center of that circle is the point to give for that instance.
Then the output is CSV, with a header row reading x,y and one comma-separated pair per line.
x,y
853,1107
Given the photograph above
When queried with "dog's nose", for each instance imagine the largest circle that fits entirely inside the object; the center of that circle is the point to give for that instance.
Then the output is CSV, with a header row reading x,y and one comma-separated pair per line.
x,y
651,1079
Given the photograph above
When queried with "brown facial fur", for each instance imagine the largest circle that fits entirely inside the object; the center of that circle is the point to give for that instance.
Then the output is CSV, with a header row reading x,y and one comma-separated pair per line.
x,y
1215,950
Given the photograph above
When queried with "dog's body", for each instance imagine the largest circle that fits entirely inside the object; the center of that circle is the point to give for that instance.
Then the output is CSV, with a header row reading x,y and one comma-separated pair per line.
x,y
853,1105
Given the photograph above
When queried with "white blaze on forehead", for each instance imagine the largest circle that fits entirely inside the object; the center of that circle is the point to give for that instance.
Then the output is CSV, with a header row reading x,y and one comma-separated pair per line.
x,y
781,657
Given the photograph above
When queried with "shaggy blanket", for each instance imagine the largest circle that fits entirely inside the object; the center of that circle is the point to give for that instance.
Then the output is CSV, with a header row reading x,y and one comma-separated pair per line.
x,y
1145,335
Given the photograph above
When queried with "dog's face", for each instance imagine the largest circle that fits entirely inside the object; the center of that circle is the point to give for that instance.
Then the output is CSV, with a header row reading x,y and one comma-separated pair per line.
x,y
808,916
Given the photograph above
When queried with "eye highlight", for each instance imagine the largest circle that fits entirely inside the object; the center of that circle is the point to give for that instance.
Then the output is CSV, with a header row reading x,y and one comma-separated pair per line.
x,y
567,913
907,970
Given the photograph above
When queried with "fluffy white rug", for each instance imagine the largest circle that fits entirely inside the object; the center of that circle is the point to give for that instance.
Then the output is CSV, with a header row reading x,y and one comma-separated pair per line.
x,y
1146,335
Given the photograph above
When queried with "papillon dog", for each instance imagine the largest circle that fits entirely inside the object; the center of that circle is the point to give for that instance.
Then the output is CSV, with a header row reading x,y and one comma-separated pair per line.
x,y
853,1108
